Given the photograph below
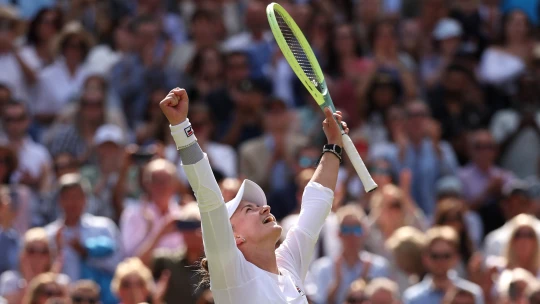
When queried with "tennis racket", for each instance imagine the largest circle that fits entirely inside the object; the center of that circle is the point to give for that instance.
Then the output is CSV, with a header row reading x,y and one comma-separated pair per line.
x,y
299,54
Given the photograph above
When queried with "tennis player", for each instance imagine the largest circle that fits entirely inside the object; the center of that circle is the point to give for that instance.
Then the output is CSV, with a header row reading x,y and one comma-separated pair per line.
x,y
240,236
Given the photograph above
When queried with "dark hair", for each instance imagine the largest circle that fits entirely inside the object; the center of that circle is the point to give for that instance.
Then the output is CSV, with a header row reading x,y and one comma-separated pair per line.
x,y
506,18
32,36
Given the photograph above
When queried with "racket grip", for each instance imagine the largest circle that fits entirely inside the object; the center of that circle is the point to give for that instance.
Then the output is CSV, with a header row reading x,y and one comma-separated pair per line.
x,y
358,164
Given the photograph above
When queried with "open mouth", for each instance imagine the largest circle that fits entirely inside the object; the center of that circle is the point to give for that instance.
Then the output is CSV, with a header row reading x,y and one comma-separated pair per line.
x,y
269,219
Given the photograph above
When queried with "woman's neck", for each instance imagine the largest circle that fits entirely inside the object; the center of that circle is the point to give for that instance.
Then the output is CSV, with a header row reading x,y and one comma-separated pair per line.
x,y
262,257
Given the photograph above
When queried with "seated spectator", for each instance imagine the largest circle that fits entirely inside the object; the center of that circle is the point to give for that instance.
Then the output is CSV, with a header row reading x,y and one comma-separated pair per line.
x,y
61,82
44,287
458,296
513,284
133,283
382,291
182,263
390,210
516,203
109,142
35,165
482,180
267,159
85,291
334,276
90,245
36,257
441,255
450,212
9,236
19,71
356,293
407,247
154,217
418,146
522,249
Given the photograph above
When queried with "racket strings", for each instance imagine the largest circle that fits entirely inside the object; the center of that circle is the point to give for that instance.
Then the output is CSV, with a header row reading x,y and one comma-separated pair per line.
x,y
297,50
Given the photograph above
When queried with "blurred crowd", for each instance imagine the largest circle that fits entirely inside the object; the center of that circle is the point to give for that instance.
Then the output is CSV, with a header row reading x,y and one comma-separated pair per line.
x,y
442,98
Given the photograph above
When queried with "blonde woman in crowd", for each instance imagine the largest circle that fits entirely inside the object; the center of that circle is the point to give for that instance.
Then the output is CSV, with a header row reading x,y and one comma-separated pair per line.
x,y
36,258
44,287
391,209
407,246
133,283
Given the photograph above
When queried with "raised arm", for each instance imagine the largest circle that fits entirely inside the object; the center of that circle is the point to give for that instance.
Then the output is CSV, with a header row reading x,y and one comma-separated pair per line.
x,y
219,244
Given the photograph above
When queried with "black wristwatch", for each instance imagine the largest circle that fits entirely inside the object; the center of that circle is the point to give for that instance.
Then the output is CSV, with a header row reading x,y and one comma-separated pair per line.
x,y
334,149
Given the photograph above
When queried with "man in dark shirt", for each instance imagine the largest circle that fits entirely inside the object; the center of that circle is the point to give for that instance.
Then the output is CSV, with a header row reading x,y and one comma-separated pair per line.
x,y
183,262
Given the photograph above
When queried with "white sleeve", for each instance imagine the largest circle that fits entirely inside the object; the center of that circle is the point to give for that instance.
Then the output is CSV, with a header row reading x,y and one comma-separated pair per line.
x,y
226,263
297,250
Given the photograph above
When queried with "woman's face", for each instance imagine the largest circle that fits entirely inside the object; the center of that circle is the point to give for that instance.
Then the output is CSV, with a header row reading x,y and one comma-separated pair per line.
x,y
524,243
517,25
46,28
133,289
344,40
38,256
256,224
49,290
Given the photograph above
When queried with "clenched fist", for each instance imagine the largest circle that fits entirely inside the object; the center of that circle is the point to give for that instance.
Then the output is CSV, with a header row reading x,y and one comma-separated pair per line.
x,y
175,106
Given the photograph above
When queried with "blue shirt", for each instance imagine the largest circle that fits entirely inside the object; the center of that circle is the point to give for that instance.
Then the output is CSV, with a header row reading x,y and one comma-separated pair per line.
x,y
425,293
9,243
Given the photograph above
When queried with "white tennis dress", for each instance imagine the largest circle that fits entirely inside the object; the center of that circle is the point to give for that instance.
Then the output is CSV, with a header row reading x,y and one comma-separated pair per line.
x,y
234,280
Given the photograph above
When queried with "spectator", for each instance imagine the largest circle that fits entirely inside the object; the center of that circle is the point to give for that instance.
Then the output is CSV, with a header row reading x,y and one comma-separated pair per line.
x,y
267,159
43,29
382,291
407,246
61,82
181,262
334,276
90,245
390,210
155,215
482,180
9,237
85,291
419,148
36,257
108,143
133,283
450,212
356,293
441,255
517,130
516,203
43,287
18,69
35,164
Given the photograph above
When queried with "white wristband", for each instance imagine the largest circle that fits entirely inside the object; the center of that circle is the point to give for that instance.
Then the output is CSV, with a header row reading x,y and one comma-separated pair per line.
x,y
183,134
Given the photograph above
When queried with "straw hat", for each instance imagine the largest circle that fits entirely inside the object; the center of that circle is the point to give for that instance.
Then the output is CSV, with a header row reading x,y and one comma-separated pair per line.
x,y
73,29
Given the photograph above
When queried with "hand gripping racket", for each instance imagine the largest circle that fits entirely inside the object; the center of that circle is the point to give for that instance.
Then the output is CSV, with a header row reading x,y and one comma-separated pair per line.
x,y
300,56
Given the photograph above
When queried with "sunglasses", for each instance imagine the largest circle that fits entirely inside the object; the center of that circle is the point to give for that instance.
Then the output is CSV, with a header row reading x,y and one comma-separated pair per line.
x,y
355,230
80,299
439,256
130,284
37,250
525,235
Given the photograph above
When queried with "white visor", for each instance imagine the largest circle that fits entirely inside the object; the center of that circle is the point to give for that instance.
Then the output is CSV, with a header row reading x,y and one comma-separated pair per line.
x,y
249,191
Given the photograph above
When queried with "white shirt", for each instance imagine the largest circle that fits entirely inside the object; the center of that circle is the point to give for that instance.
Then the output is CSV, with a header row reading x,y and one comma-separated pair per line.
x,y
235,280
57,87
12,75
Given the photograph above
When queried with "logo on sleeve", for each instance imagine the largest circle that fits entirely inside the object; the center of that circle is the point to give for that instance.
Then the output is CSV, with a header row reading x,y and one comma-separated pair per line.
x,y
189,131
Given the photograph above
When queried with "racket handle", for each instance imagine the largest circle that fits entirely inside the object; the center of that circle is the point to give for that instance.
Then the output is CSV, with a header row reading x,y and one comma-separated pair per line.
x,y
358,164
